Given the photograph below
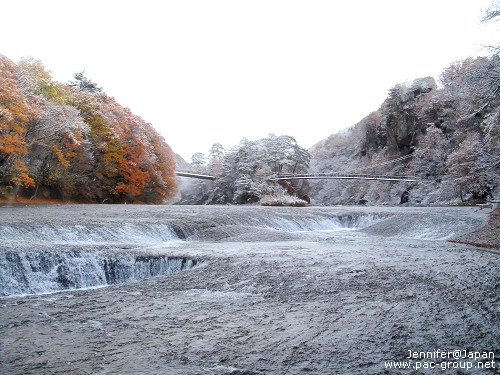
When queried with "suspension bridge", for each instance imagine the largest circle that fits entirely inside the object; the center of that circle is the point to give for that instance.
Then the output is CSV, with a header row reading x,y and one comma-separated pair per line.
x,y
194,175
327,176
311,176
339,176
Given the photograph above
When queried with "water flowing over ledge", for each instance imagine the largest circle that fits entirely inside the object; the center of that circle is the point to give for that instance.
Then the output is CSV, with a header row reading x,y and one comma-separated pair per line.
x,y
48,256
46,249
34,272
140,234
87,234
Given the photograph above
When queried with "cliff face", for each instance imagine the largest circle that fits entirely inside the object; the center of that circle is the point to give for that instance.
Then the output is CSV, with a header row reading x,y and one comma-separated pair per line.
x,y
398,124
451,131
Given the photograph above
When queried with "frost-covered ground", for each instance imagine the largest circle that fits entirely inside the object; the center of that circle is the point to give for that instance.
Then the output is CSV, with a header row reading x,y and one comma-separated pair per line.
x,y
276,291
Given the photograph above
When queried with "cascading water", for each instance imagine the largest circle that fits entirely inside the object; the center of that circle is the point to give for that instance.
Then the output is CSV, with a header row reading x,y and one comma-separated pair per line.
x,y
32,272
74,252
44,258
79,234
325,224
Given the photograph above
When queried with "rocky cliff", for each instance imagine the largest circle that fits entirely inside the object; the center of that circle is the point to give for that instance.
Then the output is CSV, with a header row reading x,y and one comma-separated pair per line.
x,y
447,136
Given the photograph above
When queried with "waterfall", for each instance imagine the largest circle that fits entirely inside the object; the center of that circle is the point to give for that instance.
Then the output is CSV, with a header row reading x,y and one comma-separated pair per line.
x,y
63,253
32,272
320,223
88,234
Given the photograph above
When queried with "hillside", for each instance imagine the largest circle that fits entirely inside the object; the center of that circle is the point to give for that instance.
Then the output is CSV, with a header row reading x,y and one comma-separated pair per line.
x,y
448,136
72,142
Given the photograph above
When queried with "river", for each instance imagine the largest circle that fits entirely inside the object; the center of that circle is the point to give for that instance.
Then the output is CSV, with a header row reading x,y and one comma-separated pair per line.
x,y
130,289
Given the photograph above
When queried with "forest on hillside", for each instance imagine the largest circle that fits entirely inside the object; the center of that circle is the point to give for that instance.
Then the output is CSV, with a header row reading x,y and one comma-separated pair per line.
x,y
447,136
244,173
71,141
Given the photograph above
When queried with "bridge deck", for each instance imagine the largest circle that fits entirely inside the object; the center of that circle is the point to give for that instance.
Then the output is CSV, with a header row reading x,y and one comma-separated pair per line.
x,y
310,176
195,175
334,176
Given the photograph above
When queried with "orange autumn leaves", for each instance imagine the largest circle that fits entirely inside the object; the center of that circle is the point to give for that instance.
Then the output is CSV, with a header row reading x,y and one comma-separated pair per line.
x,y
61,141
14,112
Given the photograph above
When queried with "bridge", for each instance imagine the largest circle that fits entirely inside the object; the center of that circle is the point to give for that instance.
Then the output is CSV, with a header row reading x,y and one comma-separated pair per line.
x,y
194,175
329,176
341,176
311,176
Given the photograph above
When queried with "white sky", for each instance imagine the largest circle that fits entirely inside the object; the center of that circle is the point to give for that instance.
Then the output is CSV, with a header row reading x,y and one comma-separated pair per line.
x,y
205,71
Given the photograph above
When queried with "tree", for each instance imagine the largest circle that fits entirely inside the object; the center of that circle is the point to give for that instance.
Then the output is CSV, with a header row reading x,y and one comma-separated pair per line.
x,y
491,14
432,152
247,191
137,162
225,185
84,84
217,151
198,161
37,83
13,114
162,183
14,119
216,155
468,166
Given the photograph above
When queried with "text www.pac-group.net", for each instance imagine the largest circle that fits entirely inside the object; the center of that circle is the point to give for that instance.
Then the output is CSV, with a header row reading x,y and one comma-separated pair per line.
x,y
445,360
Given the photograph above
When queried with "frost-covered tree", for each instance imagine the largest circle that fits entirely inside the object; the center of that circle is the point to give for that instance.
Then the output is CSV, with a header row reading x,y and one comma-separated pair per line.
x,y
56,137
470,88
84,83
284,155
492,13
217,151
469,166
243,172
216,156
36,81
225,185
247,190
432,152
198,161
75,142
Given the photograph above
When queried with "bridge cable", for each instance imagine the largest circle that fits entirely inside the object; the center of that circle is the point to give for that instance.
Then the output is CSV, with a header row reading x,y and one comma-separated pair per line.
x,y
393,160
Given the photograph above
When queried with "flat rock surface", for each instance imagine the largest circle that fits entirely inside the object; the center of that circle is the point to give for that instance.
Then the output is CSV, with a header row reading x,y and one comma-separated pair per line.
x,y
487,236
264,299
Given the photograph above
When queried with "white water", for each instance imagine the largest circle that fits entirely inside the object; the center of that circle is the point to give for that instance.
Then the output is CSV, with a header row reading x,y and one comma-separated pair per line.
x,y
42,258
33,272
319,223
280,289
146,234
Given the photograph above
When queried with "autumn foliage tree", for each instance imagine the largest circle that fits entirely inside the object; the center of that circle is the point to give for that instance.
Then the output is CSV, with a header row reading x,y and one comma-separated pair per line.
x,y
14,120
72,141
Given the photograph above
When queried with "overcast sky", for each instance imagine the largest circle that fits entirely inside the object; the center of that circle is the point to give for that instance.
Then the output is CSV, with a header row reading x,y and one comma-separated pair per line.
x,y
210,71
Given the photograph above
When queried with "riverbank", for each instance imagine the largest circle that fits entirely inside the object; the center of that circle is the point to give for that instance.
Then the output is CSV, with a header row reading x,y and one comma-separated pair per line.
x,y
487,236
24,200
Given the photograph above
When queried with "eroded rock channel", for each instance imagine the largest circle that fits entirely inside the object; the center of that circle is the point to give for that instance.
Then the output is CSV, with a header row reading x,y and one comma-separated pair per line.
x,y
274,290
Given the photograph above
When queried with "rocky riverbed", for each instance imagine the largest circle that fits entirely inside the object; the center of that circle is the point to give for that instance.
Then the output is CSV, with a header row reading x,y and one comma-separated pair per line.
x,y
320,290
